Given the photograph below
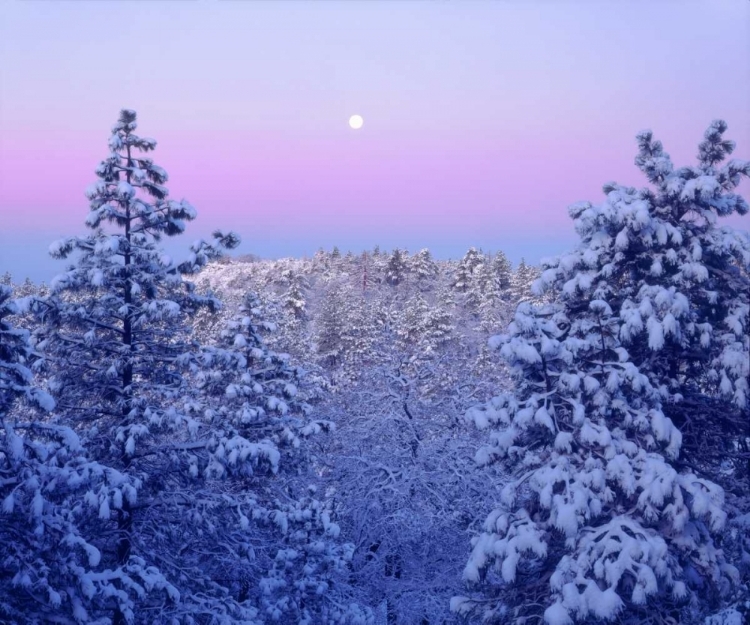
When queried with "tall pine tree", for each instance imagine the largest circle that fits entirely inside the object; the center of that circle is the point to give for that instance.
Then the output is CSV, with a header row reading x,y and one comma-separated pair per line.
x,y
116,333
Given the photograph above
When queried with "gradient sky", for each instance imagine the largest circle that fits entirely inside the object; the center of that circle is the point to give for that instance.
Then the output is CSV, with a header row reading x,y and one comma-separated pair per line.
x,y
484,120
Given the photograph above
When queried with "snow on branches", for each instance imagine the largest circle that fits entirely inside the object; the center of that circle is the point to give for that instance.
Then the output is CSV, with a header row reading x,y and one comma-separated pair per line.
x,y
603,518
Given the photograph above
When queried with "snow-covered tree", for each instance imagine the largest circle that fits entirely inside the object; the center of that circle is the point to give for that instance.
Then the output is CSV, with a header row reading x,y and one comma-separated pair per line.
x,y
603,518
397,267
439,327
412,320
113,315
365,265
115,332
467,267
423,267
54,498
483,294
503,271
595,520
281,549
679,281
423,329
26,288
345,327
521,281
330,325
294,298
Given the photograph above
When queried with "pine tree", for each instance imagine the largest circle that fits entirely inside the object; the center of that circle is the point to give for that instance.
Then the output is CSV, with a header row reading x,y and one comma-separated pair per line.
x,y
26,288
365,270
438,329
294,298
54,499
595,520
330,323
472,260
423,267
116,332
483,292
412,322
396,268
676,277
603,517
521,281
490,298
320,260
285,556
503,271
360,333
345,329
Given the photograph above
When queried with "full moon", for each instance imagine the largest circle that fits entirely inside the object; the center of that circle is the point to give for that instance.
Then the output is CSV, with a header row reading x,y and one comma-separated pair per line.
x,y
356,121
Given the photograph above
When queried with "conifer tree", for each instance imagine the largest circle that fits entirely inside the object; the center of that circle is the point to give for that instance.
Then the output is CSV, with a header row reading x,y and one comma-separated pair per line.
x,y
596,521
53,564
483,292
423,267
116,333
320,260
412,322
294,298
281,547
472,260
603,517
490,297
345,328
330,326
503,271
679,280
438,329
26,288
521,281
396,268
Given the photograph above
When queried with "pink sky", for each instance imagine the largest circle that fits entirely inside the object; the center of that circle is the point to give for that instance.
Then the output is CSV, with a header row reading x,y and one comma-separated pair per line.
x,y
483,120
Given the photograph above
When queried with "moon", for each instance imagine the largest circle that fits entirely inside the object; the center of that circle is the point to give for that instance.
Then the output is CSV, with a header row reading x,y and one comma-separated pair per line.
x,y
356,121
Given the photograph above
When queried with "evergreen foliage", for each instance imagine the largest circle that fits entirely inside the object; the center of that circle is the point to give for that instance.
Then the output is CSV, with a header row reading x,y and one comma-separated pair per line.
x,y
603,518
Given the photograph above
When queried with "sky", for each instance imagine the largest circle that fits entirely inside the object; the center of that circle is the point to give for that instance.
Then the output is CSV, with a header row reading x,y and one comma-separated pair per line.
x,y
483,119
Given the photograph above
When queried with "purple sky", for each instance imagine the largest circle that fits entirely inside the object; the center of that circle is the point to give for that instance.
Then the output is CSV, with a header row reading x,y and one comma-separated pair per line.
x,y
483,119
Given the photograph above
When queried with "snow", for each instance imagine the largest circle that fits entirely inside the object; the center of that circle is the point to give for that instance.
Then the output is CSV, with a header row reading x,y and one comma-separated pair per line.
x,y
556,614
8,504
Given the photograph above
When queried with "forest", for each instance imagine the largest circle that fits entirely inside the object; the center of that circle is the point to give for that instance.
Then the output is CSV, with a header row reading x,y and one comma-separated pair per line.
x,y
382,437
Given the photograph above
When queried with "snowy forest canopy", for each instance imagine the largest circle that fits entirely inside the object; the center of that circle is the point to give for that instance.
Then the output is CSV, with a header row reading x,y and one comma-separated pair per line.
x,y
383,438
